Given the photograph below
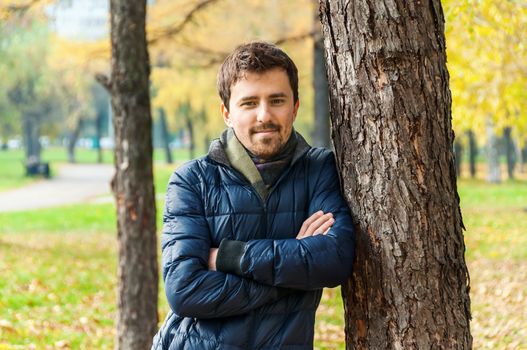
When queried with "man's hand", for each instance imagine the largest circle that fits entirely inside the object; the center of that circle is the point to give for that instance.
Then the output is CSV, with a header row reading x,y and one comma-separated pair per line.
x,y
213,253
318,223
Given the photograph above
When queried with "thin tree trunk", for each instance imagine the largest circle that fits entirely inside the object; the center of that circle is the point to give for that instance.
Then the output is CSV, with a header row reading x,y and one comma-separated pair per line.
x,y
72,141
98,135
391,122
165,135
321,129
192,141
28,140
206,142
509,152
133,181
458,155
31,131
519,156
522,156
493,154
472,152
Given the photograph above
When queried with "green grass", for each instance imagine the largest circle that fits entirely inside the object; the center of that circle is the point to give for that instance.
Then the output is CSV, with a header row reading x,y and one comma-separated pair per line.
x,y
58,269
511,194
12,170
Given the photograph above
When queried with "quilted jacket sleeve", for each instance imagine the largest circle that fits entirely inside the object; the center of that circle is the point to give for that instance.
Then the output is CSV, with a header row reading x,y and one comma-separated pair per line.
x,y
310,263
191,289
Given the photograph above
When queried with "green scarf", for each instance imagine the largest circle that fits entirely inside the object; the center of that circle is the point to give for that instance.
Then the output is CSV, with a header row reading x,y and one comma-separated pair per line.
x,y
262,174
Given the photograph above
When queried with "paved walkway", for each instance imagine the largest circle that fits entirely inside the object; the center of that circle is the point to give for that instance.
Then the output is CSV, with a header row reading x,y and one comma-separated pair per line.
x,y
74,183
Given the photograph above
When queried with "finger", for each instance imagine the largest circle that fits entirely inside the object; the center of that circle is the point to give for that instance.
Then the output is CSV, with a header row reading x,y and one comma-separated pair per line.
x,y
324,228
314,227
308,222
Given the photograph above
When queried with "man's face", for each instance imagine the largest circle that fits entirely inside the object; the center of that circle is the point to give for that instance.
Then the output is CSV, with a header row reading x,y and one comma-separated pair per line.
x,y
262,111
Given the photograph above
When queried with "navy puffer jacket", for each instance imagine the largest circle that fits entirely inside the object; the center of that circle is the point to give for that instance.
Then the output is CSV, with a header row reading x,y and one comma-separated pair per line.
x,y
270,302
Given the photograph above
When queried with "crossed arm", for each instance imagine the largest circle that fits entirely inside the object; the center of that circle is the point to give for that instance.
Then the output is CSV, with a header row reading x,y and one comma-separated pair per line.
x,y
316,224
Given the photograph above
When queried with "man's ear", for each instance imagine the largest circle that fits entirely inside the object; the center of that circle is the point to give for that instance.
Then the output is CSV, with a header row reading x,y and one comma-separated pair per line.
x,y
295,109
225,114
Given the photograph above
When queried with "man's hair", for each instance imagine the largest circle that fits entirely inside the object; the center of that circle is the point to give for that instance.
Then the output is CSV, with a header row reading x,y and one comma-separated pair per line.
x,y
254,57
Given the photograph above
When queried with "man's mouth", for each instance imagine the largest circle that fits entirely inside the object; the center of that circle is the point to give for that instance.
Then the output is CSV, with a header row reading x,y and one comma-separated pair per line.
x,y
265,130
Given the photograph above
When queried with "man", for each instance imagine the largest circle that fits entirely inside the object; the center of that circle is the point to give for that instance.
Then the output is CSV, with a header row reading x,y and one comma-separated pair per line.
x,y
254,230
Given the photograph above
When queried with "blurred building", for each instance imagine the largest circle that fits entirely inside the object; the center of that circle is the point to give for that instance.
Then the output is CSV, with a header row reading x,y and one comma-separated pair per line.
x,y
80,19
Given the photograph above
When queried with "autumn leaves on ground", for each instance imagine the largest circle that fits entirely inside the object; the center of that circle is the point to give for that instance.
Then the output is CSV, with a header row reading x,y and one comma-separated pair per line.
x,y
58,266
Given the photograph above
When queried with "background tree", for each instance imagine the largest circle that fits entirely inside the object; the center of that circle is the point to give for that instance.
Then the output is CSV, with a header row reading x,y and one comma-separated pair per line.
x,y
101,102
27,97
391,117
133,181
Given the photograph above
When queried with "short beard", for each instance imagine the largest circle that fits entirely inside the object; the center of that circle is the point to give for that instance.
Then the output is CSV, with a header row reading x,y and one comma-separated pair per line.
x,y
268,147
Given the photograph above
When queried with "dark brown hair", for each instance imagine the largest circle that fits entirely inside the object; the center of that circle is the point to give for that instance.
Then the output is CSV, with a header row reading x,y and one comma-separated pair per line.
x,y
254,57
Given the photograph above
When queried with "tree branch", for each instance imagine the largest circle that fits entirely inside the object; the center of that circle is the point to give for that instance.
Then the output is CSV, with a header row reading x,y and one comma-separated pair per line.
x,y
172,31
19,10
215,57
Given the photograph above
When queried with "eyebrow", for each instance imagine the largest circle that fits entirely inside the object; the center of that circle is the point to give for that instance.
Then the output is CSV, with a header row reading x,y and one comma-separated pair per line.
x,y
250,98
247,98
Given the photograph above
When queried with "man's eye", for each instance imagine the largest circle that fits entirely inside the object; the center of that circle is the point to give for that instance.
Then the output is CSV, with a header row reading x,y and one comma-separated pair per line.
x,y
277,101
249,104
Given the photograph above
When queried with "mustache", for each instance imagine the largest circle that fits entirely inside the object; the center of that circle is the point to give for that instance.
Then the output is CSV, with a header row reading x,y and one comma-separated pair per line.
x,y
265,127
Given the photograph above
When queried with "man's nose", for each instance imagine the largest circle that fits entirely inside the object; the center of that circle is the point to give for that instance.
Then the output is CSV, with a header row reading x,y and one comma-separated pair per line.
x,y
264,113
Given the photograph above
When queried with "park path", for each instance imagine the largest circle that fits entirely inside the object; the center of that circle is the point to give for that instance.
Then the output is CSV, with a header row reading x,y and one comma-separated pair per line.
x,y
74,183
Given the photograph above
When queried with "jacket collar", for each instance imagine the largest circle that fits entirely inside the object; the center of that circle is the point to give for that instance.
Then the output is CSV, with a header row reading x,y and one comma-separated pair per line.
x,y
228,150
218,154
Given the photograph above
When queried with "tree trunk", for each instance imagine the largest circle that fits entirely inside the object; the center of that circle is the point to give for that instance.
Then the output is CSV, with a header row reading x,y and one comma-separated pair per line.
x,y
321,129
509,152
522,155
458,155
472,152
72,141
493,154
133,180
192,142
31,131
206,141
519,156
165,135
98,135
391,122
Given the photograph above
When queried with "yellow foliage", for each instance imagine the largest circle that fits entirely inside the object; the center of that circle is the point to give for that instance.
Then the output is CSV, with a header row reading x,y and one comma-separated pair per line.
x,y
487,60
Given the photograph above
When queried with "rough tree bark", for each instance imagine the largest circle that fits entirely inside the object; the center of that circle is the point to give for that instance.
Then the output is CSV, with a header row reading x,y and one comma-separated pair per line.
x,y
391,118
133,180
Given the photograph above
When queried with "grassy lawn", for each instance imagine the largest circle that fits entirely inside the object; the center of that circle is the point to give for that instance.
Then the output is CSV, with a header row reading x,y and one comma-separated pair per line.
x,y
58,273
